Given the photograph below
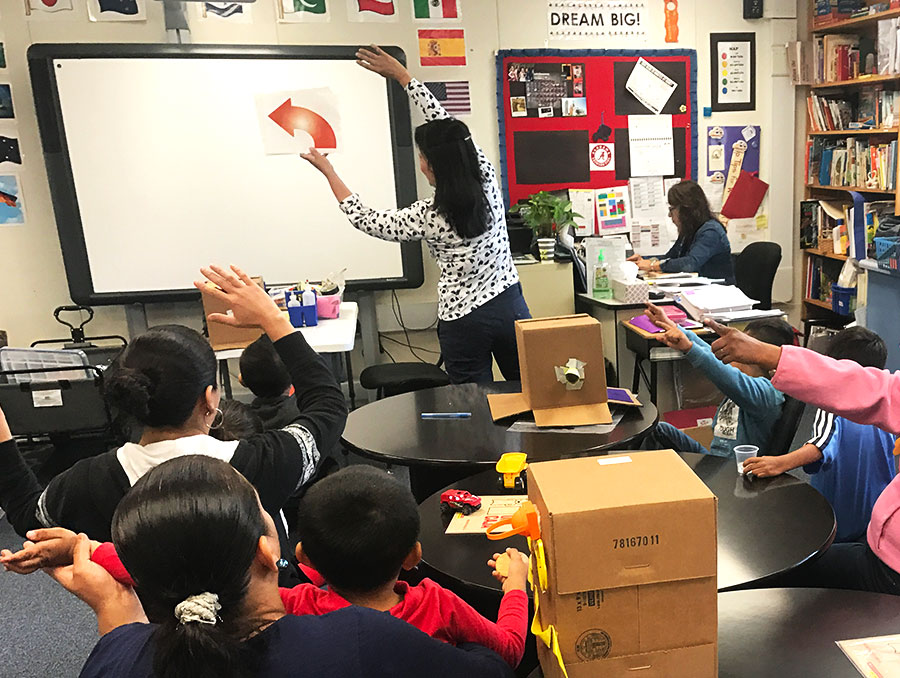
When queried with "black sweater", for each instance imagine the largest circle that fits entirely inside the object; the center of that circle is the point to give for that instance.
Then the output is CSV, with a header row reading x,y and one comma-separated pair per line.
x,y
84,497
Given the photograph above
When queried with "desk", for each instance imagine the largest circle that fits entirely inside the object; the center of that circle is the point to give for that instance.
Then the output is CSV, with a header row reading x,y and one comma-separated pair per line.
x,y
391,431
646,346
335,335
791,633
765,526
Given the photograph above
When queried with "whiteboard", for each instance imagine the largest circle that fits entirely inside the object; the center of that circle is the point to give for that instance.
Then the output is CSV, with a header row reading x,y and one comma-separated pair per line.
x,y
169,173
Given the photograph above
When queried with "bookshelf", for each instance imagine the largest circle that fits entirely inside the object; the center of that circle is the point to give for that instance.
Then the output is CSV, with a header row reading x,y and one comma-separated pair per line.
x,y
850,155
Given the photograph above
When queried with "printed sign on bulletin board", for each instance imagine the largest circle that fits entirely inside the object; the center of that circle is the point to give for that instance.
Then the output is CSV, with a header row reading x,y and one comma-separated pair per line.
x,y
619,21
733,71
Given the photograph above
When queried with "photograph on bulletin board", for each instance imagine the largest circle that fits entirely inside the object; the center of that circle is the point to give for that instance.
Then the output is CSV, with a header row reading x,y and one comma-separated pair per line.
x,y
586,120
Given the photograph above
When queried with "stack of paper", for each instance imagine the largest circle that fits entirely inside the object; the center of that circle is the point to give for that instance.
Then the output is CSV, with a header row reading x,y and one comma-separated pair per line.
x,y
713,300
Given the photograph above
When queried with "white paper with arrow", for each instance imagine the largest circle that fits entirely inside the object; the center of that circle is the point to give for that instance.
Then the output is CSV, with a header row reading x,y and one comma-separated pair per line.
x,y
293,122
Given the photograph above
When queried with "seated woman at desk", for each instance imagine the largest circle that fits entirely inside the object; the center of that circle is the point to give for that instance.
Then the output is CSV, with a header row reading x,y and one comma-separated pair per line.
x,y
464,226
702,245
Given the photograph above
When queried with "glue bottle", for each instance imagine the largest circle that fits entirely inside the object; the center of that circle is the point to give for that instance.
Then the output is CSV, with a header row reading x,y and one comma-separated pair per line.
x,y
602,289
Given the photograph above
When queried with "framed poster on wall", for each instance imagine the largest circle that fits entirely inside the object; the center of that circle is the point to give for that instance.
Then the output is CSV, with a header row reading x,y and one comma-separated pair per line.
x,y
732,71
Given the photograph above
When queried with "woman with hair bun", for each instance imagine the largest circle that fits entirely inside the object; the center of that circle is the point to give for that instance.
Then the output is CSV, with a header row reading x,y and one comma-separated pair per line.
x,y
211,595
166,380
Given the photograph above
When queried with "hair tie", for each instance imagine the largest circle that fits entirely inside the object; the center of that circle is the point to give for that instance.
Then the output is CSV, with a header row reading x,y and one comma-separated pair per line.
x,y
202,608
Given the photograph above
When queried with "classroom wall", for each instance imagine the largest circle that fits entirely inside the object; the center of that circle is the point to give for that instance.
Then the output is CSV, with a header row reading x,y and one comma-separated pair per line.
x,y
32,278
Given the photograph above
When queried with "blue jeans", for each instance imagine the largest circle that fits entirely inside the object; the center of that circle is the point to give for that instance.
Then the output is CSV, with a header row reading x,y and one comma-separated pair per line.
x,y
468,344
666,436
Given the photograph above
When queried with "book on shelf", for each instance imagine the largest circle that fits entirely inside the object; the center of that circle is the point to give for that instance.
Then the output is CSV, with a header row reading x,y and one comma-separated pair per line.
x,y
853,162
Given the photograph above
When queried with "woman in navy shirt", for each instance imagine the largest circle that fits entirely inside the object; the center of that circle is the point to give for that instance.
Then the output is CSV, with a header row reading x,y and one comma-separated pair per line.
x,y
702,245
211,595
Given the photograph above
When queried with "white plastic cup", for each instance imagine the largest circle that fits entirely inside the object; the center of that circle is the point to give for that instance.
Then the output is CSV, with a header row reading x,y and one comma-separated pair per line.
x,y
742,453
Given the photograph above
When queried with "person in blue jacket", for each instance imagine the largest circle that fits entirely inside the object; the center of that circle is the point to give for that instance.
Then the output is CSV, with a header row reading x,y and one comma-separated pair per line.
x,y
752,406
702,245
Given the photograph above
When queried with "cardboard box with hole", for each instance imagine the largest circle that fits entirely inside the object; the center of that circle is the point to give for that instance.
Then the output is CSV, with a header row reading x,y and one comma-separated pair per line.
x,y
223,337
630,551
563,373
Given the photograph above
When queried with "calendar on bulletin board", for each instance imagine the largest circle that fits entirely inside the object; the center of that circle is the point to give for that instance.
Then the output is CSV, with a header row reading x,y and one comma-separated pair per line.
x,y
590,120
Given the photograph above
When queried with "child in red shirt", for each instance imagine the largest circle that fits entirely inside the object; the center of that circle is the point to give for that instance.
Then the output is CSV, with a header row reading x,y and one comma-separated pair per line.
x,y
359,528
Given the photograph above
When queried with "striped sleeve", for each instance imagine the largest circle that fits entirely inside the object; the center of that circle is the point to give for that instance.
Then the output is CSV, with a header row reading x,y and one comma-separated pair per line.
x,y
823,429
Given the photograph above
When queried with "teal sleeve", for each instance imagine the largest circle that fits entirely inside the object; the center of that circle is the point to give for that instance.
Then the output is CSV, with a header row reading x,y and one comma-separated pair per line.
x,y
745,391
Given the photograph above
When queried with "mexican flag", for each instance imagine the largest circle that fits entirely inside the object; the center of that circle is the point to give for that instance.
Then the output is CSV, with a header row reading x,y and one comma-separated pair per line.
x,y
436,9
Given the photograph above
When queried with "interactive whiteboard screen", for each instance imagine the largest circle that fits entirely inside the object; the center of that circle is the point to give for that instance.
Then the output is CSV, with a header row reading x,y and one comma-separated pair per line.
x,y
170,170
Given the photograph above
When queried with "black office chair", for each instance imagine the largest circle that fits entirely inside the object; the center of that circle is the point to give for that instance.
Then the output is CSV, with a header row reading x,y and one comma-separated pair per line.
x,y
754,271
786,427
389,379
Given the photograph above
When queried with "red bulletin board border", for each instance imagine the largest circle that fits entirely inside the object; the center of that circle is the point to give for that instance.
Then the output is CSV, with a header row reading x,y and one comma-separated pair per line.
x,y
599,66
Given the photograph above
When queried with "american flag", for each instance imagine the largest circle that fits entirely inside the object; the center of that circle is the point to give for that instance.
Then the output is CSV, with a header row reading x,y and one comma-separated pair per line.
x,y
454,96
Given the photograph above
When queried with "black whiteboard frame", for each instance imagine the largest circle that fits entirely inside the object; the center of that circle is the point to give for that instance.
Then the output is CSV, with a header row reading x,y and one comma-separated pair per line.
x,y
62,181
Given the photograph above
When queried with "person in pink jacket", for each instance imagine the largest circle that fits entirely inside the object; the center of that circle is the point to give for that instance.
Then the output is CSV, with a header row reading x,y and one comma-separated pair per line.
x,y
865,395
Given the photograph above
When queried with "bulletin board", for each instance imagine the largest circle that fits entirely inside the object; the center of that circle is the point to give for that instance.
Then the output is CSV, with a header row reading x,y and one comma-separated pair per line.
x,y
563,116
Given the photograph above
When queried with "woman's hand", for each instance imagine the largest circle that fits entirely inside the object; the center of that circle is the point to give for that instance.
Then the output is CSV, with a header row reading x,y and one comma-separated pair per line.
x,y
250,305
318,160
51,547
636,258
375,59
114,604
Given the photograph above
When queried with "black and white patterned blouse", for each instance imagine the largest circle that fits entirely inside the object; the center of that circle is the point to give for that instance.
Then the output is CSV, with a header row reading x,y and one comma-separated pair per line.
x,y
473,270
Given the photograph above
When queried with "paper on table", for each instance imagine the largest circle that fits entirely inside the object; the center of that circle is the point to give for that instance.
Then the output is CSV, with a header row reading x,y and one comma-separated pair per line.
x,y
531,427
650,86
648,199
879,656
583,203
650,145
493,509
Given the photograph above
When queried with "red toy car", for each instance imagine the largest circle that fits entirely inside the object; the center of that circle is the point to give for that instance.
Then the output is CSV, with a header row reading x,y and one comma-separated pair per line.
x,y
460,500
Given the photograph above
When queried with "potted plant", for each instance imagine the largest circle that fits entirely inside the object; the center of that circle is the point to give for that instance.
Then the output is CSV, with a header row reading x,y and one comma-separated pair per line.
x,y
546,215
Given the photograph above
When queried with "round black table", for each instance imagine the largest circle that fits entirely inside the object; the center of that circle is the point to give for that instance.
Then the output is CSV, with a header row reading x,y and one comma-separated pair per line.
x,y
791,633
392,431
765,526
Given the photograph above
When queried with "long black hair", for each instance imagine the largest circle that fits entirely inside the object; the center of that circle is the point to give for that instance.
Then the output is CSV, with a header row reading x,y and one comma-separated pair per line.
x,y
160,377
190,526
458,190
693,208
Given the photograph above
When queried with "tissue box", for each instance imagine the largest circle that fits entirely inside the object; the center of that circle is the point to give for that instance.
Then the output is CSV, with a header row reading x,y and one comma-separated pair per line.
x,y
637,292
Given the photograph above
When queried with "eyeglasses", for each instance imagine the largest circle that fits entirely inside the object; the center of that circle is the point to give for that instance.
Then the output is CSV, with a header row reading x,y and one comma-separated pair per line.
x,y
672,208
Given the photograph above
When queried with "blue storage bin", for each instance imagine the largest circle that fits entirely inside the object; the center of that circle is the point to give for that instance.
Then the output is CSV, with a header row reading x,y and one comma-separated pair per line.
x,y
843,299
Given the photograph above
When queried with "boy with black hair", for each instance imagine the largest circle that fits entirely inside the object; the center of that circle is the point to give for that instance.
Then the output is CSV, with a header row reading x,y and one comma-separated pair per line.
x,y
752,406
849,463
359,528
263,372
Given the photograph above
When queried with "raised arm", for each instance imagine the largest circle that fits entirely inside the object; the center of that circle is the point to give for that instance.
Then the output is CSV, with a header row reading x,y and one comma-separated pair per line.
x,y
19,488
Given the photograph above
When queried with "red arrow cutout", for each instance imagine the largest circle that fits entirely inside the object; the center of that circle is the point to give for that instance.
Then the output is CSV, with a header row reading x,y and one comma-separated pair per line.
x,y
291,118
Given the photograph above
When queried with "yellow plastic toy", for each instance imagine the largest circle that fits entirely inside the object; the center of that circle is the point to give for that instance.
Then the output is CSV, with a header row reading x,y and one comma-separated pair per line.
x,y
511,465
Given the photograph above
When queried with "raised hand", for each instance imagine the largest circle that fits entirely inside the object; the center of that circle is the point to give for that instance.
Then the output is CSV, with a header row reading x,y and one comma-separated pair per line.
x,y
736,346
375,59
318,160
51,547
673,337
250,305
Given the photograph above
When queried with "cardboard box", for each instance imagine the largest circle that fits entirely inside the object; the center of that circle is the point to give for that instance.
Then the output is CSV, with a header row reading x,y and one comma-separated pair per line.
x,y
630,544
222,337
548,343
637,292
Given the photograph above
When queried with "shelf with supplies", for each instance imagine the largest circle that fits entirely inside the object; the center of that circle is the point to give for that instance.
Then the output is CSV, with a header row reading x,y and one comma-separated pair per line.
x,y
858,189
819,303
866,22
857,82
827,255
854,132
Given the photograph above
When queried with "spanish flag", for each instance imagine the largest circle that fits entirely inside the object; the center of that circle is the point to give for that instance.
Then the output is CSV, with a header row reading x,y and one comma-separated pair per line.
x,y
442,47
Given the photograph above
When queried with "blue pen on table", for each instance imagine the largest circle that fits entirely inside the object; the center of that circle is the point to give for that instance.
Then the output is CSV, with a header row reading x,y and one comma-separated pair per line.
x,y
446,415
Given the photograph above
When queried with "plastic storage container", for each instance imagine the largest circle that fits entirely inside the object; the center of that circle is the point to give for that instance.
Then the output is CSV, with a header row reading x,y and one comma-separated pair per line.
x,y
887,254
843,299
42,358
